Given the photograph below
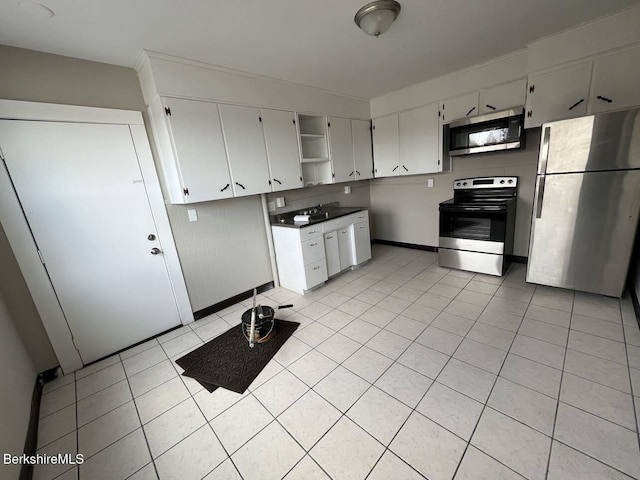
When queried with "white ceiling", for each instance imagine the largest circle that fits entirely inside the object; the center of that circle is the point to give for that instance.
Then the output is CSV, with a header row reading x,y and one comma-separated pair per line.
x,y
313,42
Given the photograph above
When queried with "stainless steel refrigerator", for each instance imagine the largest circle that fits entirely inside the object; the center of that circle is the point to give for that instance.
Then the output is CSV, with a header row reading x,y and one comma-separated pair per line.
x,y
586,203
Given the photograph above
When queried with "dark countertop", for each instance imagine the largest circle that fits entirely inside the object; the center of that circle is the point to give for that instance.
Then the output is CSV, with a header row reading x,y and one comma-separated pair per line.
x,y
328,213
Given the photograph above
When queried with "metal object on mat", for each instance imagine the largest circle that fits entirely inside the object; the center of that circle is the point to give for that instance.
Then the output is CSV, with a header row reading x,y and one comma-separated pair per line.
x,y
258,323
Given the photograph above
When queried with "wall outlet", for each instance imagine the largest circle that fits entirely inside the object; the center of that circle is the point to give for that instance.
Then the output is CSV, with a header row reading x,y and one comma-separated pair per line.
x,y
347,189
429,182
193,215
280,202
271,206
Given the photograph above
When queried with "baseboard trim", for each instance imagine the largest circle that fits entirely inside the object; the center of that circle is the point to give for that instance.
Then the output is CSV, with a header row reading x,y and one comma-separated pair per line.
x,y
517,259
413,246
31,442
230,301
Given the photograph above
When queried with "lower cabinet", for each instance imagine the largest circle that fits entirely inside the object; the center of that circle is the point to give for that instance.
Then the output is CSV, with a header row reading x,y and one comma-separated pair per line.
x,y
308,256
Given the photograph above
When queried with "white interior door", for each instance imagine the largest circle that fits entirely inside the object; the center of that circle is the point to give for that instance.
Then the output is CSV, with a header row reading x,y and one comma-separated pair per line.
x,y
82,192
242,127
281,138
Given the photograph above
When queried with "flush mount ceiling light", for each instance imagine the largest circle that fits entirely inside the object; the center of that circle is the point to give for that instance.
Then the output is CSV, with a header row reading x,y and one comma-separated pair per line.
x,y
376,17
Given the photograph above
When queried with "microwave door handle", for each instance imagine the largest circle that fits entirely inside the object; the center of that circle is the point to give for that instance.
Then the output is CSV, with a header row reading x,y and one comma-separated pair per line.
x,y
539,195
544,151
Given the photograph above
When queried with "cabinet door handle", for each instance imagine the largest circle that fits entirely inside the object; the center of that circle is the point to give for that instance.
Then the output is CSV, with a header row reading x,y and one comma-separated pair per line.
x,y
490,106
351,173
224,188
361,216
406,169
600,97
358,172
276,180
344,231
330,237
576,104
395,168
316,267
311,231
470,111
240,185
361,226
313,244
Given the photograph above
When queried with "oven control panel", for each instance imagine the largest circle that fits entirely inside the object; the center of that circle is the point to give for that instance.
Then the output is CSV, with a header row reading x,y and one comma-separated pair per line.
x,y
485,182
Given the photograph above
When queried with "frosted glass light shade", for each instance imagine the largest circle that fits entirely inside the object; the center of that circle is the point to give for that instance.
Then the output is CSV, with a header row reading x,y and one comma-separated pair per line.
x,y
375,18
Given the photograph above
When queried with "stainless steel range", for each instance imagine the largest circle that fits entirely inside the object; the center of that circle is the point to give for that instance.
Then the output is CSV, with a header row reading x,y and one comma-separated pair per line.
x,y
477,225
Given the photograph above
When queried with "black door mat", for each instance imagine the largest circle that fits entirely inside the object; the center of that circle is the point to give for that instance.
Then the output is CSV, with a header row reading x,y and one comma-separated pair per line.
x,y
228,362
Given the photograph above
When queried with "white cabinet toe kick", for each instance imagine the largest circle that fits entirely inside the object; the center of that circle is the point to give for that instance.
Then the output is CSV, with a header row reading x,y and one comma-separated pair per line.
x,y
307,257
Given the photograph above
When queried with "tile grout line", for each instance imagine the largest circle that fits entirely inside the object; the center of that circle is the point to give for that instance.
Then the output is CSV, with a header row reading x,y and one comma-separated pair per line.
x,y
486,402
555,416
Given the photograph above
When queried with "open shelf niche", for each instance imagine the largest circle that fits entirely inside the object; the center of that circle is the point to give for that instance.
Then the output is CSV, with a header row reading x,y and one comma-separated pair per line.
x,y
314,149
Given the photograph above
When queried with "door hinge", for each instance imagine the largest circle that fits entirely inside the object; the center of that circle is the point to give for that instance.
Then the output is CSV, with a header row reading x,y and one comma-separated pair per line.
x,y
185,191
269,182
167,111
529,113
438,162
532,88
373,127
333,175
300,178
41,257
329,125
294,121
259,119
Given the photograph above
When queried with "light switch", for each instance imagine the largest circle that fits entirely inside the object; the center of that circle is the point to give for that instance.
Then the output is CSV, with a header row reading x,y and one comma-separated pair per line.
x,y
429,182
193,215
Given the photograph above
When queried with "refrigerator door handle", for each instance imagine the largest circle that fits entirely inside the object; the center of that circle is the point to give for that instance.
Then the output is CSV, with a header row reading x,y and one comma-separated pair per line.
x,y
544,151
539,195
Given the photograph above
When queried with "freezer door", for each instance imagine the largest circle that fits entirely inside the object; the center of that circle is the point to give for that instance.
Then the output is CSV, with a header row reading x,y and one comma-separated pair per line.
x,y
583,229
608,141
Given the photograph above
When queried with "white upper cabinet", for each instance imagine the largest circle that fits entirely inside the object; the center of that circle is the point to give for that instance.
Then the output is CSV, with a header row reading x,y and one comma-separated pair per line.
x,y
503,97
194,155
362,149
341,148
558,94
281,138
242,127
616,81
386,150
419,140
459,107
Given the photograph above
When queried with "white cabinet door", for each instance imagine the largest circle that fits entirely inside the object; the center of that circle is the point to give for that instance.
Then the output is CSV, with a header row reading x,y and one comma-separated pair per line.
x,y
616,81
341,147
281,138
345,241
558,95
199,149
419,140
362,150
332,253
386,150
362,243
503,97
242,127
459,107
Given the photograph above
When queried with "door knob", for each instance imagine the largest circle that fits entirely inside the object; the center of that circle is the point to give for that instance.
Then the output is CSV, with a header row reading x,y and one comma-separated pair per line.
x,y
151,237
155,251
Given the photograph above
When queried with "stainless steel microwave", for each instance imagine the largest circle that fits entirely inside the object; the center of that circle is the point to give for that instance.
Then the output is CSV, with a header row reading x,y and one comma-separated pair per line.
x,y
486,133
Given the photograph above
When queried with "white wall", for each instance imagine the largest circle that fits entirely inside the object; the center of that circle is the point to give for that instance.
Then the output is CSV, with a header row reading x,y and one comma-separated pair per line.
x,y
16,390
405,210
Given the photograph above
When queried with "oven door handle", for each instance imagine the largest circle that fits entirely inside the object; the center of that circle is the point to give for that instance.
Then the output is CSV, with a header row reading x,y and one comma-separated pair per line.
x,y
472,209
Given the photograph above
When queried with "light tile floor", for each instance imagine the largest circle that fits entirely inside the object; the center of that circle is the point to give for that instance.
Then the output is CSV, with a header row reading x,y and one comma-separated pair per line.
x,y
399,370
